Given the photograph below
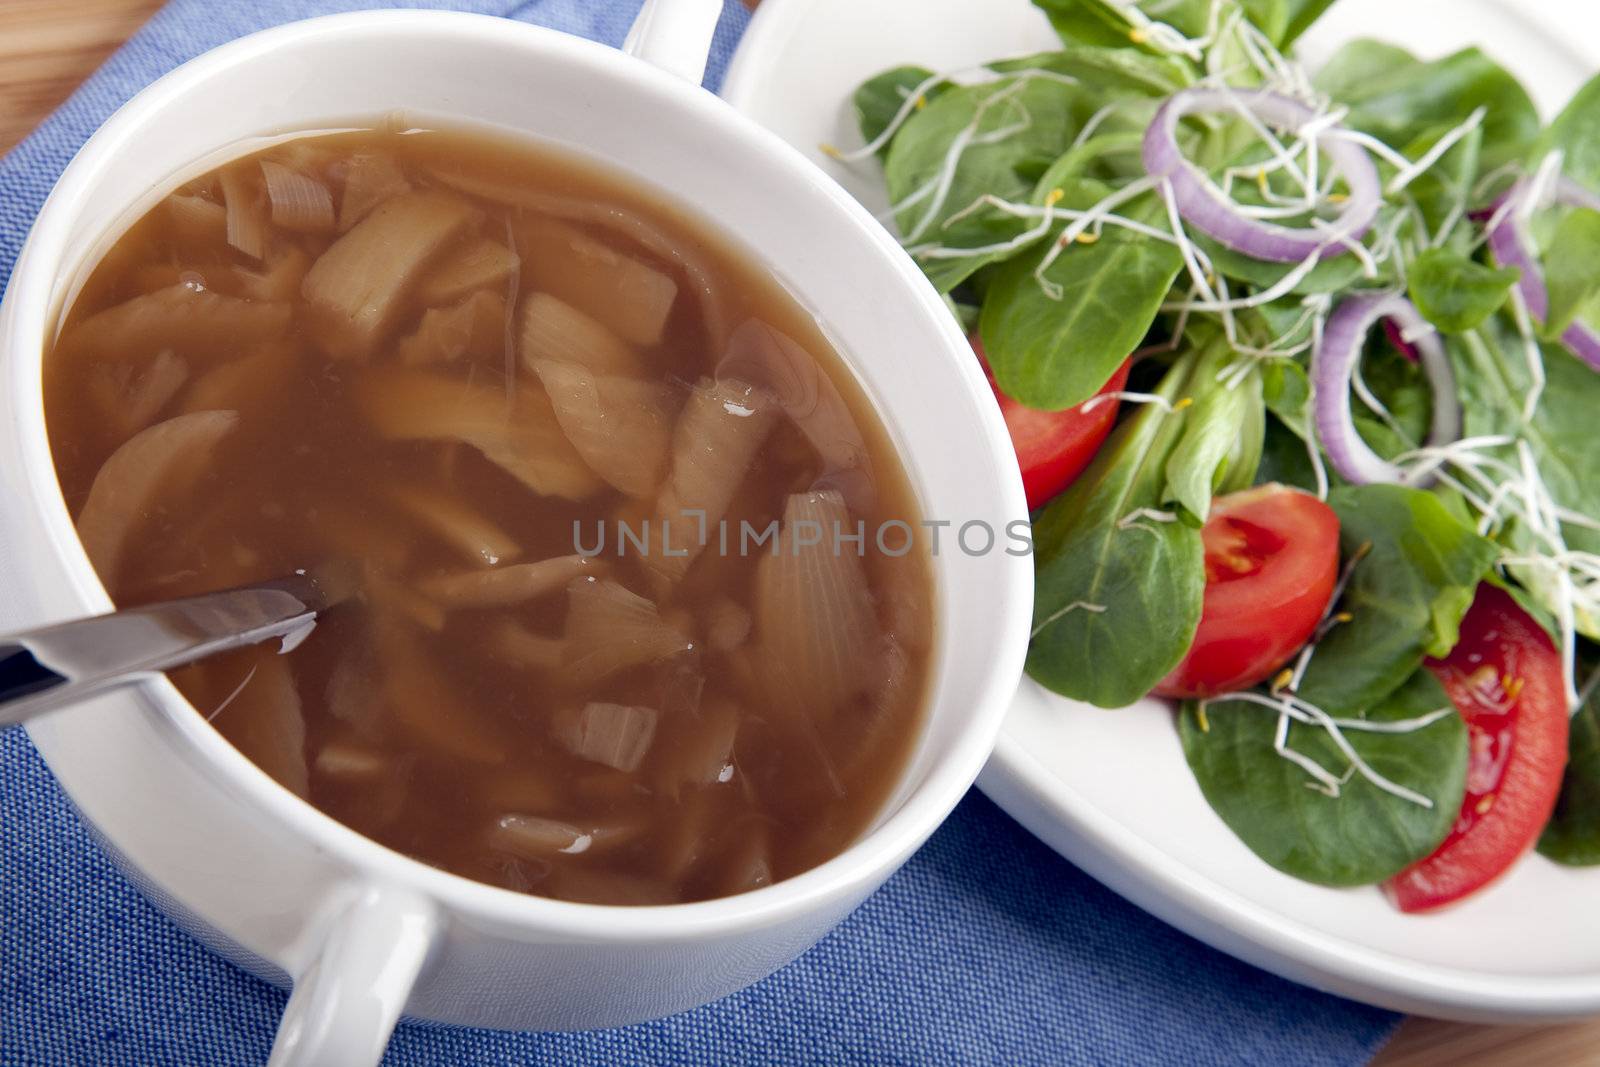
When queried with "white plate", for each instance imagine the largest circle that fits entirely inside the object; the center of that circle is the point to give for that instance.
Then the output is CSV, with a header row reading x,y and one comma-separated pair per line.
x,y
1109,789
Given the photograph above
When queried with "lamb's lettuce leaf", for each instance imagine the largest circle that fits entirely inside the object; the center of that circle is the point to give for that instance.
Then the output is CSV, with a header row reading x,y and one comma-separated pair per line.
x,y
1117,594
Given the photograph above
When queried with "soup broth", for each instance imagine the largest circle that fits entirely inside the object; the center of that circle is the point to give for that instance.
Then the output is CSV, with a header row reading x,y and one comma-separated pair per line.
x,y
638,621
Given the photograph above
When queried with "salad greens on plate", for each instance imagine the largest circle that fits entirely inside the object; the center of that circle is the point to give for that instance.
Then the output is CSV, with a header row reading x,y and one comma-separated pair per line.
x,y
1303,373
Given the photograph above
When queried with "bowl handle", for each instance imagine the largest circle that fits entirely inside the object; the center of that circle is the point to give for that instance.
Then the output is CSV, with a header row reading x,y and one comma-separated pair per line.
x,y
345,1004
675,35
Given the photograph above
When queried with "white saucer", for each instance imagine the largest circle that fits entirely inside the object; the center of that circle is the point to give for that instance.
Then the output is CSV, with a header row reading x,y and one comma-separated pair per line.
x,y
1109,789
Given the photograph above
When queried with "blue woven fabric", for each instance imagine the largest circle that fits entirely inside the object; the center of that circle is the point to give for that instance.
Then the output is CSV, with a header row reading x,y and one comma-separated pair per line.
x,y
986,948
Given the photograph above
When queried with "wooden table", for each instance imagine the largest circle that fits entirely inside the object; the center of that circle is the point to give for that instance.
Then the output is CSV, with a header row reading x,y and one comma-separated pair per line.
x,y
48,46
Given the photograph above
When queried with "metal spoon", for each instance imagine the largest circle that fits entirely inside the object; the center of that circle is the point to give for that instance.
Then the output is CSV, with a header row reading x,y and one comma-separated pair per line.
x,y
41,670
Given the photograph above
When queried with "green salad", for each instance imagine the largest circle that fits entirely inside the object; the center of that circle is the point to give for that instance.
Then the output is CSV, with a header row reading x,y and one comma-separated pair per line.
x,y
1303,374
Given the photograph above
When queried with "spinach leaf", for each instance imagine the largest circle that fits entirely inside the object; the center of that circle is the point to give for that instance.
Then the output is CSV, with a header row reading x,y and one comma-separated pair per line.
x,y
880,98
1117,597
1572,270
1405,598
1331,275
1222,439
1271,17
1299,16
1573,834
1053,351
1104,156
1363,835
1026,120
1087,22
1492,378
1456,293
1103,24
1576,132
1110,71
1359,63
1400,104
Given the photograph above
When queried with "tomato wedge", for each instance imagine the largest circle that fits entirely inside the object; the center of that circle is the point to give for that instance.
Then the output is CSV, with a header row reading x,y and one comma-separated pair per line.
x,y
1053,447
1505,678
1272,558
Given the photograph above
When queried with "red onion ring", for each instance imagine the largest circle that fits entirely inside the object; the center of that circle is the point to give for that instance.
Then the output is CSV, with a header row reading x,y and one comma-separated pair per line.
x,y
1333,365
1398,340
1508,240
1202,205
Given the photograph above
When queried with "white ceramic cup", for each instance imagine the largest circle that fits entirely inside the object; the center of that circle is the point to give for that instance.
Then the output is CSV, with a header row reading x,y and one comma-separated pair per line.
x,y
364,933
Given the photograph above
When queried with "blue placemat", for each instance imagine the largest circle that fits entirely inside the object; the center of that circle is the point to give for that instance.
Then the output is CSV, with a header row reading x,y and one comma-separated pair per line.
x,y
986,948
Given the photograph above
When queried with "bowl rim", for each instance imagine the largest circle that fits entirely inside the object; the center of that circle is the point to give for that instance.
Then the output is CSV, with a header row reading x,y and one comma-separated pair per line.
x,y
860,866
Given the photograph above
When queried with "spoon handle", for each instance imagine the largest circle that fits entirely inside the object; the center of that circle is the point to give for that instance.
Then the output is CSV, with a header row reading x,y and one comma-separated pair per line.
x,y
41,670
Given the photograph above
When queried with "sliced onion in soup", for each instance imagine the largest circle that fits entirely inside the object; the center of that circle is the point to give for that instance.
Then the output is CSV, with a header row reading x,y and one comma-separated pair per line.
x,y
552,329
128,400
352,529
538,838
620,426
349,762
315,155
200,325
162,460
520,435
503,586
679,844
357,287
701,753
196,220
617,735
267,723
353,694
609,629
371,178
421,703
746,863
474,328
299,204
281,280
722,426
246,212
727,625
242,382
814,612
513,642
476,263
773,361
398,600
620,220
463,527
630,296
